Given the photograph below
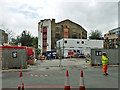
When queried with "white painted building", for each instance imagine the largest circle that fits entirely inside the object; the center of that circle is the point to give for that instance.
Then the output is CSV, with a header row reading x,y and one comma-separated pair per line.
x,y
83,46
44,30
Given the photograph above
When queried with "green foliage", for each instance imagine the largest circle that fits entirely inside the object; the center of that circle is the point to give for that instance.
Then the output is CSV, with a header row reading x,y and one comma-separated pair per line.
x,y
38,51
34,41
26,40
95,34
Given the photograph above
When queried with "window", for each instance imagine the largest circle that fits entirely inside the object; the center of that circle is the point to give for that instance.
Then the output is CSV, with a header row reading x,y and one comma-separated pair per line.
x,y
98,53
78,50
57,29
88,47
82,42
117,39
65,41
62,27
77,42
74,36
71,47
57,36
79,35
65,26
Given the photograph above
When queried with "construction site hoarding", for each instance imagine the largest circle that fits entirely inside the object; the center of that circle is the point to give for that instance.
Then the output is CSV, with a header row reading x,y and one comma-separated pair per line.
x,y
14,58
113,55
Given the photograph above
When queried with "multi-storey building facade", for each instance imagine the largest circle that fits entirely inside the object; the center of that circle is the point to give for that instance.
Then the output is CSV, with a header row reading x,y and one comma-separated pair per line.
x,y
112,39
3,37
44,35
56,31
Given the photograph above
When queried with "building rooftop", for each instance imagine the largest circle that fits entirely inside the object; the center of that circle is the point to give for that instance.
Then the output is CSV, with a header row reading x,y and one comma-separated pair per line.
x,y
2,30
115,30
71,22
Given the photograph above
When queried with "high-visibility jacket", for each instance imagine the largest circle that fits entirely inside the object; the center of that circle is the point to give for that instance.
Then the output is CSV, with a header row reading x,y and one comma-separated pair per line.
x,y
104,60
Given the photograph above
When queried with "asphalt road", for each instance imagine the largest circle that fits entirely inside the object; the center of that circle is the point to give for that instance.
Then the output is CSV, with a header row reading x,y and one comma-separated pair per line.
x,y
93,77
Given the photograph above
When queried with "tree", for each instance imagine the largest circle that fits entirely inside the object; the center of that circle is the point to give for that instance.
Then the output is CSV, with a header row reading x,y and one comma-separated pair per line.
x,y
25,39
35,41
95,34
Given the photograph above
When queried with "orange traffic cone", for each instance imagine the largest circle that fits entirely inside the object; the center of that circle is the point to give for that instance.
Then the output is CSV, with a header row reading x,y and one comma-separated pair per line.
x,y
21,74
67,83
19,87
55,57
21,84
82,86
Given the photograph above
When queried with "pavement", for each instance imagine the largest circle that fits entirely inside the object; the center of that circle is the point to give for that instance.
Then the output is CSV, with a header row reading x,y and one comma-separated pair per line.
x,y
50,74
43,64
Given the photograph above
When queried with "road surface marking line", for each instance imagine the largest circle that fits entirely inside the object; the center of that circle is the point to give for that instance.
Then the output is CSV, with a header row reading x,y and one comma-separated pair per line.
x,y
38,75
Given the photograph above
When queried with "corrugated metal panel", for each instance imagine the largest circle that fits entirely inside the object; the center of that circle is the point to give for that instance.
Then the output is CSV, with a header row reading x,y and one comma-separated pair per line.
x,y
113,55
9,60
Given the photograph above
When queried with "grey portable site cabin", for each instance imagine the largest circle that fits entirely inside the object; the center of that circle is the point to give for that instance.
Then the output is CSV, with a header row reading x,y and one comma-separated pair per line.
x,y
113,54
14,57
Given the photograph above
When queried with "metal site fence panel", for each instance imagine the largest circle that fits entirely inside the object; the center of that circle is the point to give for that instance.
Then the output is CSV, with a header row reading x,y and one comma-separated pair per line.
x,y
119,56
0,55
14,58
113,55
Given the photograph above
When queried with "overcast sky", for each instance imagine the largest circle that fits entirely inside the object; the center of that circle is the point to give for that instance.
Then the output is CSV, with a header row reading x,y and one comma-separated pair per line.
x,y
19,15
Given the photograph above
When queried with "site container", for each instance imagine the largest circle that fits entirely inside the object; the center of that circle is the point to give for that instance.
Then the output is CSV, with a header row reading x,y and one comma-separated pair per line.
x,y
14,57
113,55
78,46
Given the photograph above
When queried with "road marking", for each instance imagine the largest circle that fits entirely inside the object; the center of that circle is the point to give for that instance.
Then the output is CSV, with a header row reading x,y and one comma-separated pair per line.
x,y
38,75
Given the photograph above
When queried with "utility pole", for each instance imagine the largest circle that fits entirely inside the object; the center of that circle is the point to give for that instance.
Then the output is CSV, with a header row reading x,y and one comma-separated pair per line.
x,y
60,55
63,42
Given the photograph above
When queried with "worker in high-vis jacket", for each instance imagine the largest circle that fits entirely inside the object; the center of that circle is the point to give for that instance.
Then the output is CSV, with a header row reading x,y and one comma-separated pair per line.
x,y
105,63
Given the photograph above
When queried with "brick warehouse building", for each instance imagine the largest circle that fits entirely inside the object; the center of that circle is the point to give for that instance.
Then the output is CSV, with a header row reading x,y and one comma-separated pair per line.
x,y
49,32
